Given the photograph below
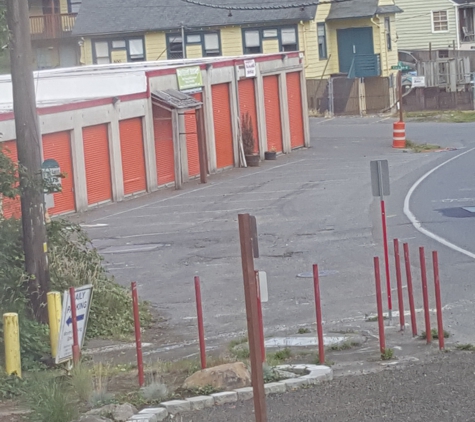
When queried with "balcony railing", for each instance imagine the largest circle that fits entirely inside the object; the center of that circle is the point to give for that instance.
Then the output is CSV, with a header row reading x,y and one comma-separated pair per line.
x,y
47,27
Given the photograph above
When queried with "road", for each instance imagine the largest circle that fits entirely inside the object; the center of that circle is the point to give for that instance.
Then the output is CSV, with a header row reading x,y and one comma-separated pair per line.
x,y
312,206
437,390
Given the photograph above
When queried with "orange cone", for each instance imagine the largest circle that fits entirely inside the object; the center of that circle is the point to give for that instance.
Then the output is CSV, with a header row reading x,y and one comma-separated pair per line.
x,y
399,135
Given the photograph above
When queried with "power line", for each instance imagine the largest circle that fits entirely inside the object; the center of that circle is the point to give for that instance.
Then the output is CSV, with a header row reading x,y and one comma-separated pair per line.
x,y
270,7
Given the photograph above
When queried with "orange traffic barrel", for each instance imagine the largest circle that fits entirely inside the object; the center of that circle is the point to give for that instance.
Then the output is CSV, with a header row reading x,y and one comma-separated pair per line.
x,y
399,135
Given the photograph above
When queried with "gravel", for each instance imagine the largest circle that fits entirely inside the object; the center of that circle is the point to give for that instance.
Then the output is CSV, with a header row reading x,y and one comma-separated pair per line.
x,y
438,390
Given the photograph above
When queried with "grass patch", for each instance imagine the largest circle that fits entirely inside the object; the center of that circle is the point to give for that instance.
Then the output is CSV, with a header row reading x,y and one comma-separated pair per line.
x,y
279,357
467,347
303,331
435,334
346,345
387,355
374,318
453,116
239,348
421,147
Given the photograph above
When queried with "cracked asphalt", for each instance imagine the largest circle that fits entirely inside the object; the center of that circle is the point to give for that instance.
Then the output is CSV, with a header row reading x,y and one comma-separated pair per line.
x,y
438,390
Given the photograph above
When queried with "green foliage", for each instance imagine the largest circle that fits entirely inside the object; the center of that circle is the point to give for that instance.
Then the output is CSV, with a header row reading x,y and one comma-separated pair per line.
x,y
10,386
387,355
49,400
8,169
303,331
247,133
269,374
435,334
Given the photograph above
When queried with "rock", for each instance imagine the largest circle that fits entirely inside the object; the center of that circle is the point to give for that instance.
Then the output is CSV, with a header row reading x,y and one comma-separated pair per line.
x,y
93,418
119,412
283,374
223,377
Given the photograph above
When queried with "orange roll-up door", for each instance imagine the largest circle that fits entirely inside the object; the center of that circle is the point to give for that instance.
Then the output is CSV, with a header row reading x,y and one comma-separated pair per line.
x,y
294,96
223,132
133,157
247,104
192,140
164,152
273,120
97,159
11,207
57,146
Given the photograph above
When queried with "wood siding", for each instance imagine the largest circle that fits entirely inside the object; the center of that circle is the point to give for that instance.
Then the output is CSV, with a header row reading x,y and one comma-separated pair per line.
x,y
414,26
155,46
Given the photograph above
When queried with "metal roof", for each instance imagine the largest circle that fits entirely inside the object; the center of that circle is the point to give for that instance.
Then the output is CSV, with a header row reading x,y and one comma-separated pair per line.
x,y
175,99
359,9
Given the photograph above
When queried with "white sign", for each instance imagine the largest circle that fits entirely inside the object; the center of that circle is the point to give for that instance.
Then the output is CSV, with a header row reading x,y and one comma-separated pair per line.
x,y
262,281
418,81
83,304
250,68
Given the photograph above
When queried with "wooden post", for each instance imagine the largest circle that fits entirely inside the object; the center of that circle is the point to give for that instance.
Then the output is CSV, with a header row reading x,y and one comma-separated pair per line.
x,y
203,156
28,141
250,294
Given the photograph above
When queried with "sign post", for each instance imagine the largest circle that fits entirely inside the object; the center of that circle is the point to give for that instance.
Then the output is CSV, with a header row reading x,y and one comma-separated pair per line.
x,y
380,187
82,296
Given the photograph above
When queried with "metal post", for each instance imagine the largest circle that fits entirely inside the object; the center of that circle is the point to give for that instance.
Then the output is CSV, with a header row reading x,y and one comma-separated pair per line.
x,y
400,298
76,350
386,259
54,318
438,300
138,340
425,294
261,322
410,290
201,330
399,82
250,294
11,337
379,304
318,310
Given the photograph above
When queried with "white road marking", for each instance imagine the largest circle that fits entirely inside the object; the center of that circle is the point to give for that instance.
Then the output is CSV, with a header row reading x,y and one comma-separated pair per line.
x,y
416,223
89,226
450,200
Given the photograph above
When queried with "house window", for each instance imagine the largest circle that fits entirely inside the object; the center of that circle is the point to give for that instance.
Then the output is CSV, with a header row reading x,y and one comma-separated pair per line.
x,y
175,46
269,33
252,42
102,52
440,21
387,30
322,41
289,39
211,45
133,46
74,5
193,39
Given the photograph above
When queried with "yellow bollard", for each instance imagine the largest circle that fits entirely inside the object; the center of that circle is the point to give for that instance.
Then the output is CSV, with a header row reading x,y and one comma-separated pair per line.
x,y
54,317
11,334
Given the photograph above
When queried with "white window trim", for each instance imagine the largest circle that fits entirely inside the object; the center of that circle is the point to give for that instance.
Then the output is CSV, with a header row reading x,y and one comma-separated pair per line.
x,y
432,22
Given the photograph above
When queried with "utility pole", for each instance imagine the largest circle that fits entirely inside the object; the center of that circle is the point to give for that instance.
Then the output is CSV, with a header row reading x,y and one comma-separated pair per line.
x,y
28,141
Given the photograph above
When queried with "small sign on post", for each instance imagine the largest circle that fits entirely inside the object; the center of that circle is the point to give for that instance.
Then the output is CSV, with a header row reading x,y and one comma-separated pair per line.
x,y
418,81
380,187
83,305
51,173
250,68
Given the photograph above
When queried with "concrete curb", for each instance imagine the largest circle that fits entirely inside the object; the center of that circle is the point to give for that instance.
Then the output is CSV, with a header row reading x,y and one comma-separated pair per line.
x,y
311,375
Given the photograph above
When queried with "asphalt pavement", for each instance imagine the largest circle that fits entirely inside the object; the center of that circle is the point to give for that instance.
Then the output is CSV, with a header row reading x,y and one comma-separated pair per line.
x,y
312,206
438,390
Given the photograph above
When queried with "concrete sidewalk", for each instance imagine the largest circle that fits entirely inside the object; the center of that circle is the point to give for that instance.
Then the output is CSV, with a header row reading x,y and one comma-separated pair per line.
x,y
312,206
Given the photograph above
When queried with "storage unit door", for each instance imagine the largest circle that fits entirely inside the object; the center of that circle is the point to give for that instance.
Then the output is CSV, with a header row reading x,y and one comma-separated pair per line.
x,y
97,160
164,152
223,132
133,157
247,104
273,120
57,146
192,140
10,207
294,96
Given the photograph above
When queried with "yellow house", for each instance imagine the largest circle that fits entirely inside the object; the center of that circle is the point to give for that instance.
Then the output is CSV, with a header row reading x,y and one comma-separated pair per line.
x,y
51,29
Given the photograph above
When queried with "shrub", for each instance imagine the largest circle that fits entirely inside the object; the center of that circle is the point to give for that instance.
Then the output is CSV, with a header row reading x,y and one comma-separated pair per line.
x,y
247,132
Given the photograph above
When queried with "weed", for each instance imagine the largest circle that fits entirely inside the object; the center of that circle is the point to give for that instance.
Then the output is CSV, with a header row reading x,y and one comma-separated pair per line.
x,y
269,373
454,116
82,382
346,345
237,342
239,349
420,147
279,357
435,334
49,400
10,386
388,354
154,392
374,318
201,391
467,346
100,397
303,331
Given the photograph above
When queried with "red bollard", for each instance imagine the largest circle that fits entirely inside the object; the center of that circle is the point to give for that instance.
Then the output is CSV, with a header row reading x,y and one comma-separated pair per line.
x,y
318,310
138,341
410,290
425,294
438,300
379,303
76,350
201,330
386,260
400,298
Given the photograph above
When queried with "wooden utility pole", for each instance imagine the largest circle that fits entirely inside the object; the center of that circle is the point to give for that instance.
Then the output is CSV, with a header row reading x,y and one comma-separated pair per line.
x,y
28,141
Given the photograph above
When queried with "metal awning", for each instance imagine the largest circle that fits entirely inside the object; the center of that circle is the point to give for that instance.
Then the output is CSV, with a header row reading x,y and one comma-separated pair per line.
x,y
175,100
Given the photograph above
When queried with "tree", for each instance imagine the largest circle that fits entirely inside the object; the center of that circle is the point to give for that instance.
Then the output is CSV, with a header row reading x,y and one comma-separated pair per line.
x,y
3,27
